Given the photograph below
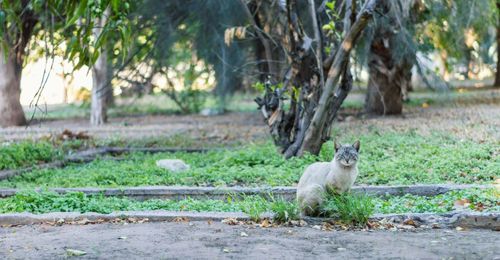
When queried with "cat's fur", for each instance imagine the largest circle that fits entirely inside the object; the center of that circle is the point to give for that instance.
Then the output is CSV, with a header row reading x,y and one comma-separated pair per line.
x,y
339,175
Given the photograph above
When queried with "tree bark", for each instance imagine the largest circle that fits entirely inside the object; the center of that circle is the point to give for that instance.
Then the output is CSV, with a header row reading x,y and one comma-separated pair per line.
x,y
334,94
314,99
110,98
497,74
100,85
11,111
389,77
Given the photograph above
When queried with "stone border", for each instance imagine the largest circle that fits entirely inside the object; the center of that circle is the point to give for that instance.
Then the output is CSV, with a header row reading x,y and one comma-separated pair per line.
x,y
448,220
91,154
288,193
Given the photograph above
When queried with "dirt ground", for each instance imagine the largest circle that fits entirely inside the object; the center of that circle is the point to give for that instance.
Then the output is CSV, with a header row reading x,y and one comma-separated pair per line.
x,y
476,121
203,240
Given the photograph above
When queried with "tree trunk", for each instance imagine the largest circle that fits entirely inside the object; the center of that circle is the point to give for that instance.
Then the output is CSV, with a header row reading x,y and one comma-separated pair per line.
x,y
497,74
110,98
389,71
11,111
314,97
100,85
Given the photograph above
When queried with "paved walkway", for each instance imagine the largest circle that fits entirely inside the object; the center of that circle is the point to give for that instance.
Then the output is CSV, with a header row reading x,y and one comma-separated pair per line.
x,y
203,240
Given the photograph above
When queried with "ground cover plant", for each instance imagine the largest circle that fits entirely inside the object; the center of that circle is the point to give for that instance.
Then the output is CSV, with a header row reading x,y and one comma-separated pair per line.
x,y
26,153
349,208
386,158
45,201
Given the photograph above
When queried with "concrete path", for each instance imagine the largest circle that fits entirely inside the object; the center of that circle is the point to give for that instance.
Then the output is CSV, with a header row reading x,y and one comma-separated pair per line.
x,y
214,240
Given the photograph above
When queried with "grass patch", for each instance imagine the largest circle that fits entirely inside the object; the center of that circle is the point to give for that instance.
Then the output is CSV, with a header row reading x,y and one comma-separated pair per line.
x,y
157,104
348,207
284,211
46,201
472,199
352,209
388,158
26,153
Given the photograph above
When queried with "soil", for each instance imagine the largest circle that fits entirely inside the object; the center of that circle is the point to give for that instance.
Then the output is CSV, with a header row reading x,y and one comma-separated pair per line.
x,y
475,119
227,127
205,240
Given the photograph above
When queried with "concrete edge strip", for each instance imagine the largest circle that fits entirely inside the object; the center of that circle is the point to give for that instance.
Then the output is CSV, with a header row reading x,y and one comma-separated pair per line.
x,y
288,193
91,154
448,220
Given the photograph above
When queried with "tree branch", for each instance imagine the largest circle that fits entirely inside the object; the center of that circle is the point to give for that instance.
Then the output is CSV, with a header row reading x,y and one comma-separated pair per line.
x,y
334,73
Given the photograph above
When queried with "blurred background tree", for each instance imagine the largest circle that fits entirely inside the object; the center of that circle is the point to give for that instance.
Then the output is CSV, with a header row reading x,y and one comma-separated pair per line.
x,y
21,20
284,50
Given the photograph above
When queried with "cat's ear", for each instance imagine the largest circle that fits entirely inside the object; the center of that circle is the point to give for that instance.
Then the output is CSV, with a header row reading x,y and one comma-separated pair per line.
x,y
336,145
356,145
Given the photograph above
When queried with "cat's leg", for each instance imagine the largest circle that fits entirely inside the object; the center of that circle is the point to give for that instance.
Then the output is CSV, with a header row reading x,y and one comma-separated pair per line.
x,y
309,199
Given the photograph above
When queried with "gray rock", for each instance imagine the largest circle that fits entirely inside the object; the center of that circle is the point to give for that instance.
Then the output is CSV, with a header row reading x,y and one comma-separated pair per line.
x,y
211,112
174,165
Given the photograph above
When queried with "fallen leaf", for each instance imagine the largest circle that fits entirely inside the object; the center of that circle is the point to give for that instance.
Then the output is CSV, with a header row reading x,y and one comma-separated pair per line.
x,y
410,222
243,234
180,219
83,221
327,227
230,221
459,228
425,105
341,249
75,252
60,222
462,203
265,223
122,238
226,250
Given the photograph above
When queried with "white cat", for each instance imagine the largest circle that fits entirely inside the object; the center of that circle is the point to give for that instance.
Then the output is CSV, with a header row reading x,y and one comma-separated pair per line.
x,y
339,175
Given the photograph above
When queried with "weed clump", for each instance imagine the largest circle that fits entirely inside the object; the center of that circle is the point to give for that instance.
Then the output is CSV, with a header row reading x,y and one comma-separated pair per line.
x,y
352,209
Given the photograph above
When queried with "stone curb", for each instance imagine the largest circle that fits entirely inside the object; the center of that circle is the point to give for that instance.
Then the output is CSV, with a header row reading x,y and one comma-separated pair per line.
x,y
288,193
447,220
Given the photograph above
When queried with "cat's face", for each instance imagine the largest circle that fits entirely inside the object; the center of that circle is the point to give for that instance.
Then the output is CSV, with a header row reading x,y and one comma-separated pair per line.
x,y
347,155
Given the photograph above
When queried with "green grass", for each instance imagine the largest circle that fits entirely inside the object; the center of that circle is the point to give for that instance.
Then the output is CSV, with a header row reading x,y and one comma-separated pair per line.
x,y
157,104
386,158
43,202
26,153
349,208
478,200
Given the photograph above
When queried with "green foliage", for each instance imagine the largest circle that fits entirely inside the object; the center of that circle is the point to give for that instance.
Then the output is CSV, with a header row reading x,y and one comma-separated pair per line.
x,y
446,25
254,206
284,211
393,158
24,19
349,208
26,153
44,202
479,200
385,158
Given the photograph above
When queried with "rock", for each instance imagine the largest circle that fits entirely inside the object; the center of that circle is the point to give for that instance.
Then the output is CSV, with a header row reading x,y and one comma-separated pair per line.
x,y
350,118
174,165
211,112
74,252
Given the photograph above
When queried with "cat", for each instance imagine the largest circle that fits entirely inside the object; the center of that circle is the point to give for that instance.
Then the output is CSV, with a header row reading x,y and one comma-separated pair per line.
x,y
339,175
